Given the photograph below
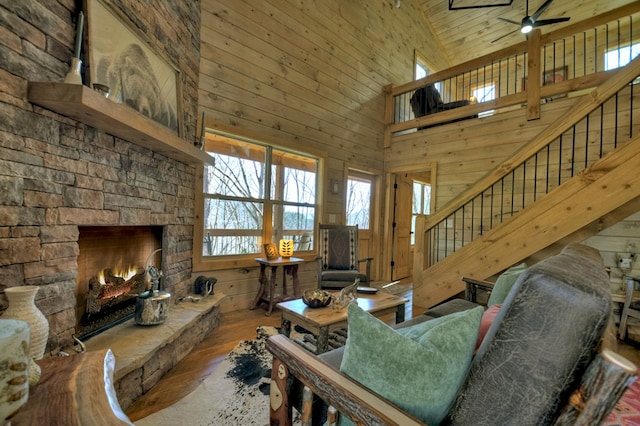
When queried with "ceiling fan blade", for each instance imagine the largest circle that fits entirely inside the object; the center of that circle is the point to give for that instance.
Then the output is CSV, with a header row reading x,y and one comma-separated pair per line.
x,y
509,21
503,36
541,9
542,22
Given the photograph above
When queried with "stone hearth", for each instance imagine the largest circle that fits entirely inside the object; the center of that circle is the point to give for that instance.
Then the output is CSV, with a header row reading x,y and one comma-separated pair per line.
x,y
145,353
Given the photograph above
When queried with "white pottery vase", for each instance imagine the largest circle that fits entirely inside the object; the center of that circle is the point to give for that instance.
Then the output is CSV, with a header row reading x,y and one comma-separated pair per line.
x,y
22,306
14,366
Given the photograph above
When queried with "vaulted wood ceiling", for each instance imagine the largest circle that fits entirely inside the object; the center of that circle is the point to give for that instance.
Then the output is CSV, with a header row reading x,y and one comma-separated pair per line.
x,y
468,33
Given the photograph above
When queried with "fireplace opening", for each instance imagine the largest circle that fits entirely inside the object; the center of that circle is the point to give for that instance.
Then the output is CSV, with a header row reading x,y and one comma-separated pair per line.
x,y
112,266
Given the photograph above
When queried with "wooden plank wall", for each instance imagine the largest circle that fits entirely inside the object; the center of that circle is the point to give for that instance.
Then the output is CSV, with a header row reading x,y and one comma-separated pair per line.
x,y
621,238
306,75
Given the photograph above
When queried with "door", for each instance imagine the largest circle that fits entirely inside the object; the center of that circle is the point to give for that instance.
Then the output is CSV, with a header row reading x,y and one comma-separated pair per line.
x,y
401,227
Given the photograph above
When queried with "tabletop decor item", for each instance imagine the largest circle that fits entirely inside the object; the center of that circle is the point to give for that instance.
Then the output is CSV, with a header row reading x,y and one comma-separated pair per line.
x,y
286,248
315,298
14,367
271,251
74,76
22,307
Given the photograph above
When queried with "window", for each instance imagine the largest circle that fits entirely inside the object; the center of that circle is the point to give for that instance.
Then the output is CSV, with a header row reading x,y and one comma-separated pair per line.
x,y
620,57
359,202
421,204
256,194
421,69
484,93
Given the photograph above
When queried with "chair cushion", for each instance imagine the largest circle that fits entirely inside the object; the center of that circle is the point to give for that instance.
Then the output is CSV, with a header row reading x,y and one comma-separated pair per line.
x,y
504,283
339,248
343,276
418,368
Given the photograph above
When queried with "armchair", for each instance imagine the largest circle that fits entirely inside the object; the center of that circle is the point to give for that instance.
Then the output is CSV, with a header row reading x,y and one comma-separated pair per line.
x,y
338,263
543,360
629,307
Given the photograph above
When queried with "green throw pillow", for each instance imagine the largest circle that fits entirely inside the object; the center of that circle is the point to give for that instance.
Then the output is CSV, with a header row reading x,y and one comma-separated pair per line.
x,y
419,368
504,283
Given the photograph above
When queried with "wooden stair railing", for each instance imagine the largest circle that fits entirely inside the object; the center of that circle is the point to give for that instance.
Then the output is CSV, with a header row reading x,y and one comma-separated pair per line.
x,y
442,280
595,193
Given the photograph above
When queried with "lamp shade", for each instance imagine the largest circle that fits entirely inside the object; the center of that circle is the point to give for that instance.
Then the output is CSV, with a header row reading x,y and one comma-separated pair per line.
x,y
286,248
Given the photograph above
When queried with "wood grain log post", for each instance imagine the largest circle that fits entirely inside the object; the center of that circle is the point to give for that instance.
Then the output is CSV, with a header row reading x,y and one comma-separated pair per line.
x,y
280,410
604,382
307,406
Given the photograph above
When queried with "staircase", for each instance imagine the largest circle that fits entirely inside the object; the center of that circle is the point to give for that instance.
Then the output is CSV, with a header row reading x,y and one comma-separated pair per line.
x,y
577,177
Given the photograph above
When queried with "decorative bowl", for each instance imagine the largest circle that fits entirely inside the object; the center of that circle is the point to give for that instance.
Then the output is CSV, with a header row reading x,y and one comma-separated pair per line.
x,y
314,298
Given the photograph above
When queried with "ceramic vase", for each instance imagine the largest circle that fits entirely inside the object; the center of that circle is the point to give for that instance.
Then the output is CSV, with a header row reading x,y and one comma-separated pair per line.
x,y
22,306
14,367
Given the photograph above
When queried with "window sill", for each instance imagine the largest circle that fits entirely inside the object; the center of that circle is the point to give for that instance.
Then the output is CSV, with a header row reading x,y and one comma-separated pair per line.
x,y
217,264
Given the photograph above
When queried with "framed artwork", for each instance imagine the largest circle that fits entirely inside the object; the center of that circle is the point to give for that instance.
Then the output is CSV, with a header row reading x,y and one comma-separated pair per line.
x,y
271,251
136,75
549,77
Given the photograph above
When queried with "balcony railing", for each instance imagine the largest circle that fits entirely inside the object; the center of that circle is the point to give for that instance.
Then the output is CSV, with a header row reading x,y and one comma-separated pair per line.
x,y
531,72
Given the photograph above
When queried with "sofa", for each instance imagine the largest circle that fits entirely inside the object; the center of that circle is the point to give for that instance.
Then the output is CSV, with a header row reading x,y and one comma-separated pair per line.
x,y
542,361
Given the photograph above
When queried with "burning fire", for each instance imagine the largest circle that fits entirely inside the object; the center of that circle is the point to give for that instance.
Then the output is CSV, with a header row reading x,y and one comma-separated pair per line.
x,y
122,273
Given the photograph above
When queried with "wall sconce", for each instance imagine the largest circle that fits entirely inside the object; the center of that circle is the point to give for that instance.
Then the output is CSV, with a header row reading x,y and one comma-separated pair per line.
x,y
335,186
286,248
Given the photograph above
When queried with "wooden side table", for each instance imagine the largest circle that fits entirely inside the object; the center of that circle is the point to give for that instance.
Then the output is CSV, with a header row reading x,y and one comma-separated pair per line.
x,y
266,292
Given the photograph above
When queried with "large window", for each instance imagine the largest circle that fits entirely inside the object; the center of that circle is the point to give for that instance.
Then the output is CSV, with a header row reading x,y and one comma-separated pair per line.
x,y
621,56
257,194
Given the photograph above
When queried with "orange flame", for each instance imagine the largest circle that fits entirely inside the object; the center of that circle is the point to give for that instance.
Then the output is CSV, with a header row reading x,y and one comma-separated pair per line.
x,y
127,274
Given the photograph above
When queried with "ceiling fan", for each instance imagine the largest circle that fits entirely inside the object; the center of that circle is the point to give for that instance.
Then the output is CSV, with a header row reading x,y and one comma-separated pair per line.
x,y
528,23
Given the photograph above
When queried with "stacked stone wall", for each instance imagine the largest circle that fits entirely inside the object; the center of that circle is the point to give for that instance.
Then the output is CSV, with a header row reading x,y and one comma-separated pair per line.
x,y
57,174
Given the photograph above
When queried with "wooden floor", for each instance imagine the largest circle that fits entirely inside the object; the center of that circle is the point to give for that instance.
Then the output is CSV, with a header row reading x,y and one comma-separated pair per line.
x,y
234,327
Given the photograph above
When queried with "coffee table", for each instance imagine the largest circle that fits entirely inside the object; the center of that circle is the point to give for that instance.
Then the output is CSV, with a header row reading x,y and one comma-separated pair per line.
x,y
322,321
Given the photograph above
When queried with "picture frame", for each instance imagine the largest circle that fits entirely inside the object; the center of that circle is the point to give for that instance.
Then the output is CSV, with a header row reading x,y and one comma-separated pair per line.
x,y
549,77
271,251
136,75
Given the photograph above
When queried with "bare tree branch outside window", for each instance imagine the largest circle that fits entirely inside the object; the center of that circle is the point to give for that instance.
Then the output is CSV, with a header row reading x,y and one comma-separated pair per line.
x,y
240,214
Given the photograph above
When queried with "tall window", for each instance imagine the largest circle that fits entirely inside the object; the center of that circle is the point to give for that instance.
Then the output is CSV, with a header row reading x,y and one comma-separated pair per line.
x,y
421,70
256,194
359,202
421,204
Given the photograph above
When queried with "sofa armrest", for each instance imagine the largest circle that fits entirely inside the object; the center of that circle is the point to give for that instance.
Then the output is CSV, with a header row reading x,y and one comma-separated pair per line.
x,y
472,286
329,384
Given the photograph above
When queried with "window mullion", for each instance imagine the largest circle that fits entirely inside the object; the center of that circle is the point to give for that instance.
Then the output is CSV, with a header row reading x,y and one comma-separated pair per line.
x,y
267,219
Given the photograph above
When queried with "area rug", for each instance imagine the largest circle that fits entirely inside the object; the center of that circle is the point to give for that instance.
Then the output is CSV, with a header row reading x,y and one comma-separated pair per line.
x,y
236,393
627,410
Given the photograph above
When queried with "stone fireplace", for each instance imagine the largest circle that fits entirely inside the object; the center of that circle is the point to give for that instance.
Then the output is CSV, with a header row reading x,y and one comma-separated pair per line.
x,y
67,166
82,161
112,262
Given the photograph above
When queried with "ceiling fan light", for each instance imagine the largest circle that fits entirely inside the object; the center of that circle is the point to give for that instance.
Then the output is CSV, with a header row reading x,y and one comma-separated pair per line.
x,y
527,25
